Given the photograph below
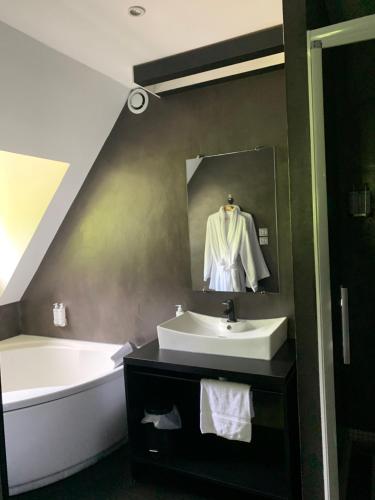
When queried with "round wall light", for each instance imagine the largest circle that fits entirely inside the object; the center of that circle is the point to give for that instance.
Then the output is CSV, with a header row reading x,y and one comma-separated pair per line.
x,y
138,101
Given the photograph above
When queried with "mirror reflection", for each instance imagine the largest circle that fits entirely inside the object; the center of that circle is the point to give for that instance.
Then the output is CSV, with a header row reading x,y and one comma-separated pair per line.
x,y
233,221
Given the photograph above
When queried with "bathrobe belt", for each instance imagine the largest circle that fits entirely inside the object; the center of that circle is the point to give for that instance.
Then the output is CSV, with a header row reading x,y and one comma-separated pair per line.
x,y
229,267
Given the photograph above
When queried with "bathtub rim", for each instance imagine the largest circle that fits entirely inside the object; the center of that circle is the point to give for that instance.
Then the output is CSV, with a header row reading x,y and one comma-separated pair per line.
x,y
23,341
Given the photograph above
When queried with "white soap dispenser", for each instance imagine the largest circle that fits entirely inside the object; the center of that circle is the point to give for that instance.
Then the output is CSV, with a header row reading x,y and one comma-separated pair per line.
x,y
61,315
179,310
56,314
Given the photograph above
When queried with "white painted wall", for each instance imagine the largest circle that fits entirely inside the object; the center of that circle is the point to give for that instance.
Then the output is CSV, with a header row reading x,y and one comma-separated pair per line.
x,y
51,107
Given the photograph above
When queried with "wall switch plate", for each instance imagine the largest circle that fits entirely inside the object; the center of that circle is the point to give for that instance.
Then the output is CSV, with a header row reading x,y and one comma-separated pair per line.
x,y
263,231
263,240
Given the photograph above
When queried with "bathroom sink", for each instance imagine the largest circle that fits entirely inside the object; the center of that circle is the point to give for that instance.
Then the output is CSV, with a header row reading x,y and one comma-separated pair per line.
x,y
247,338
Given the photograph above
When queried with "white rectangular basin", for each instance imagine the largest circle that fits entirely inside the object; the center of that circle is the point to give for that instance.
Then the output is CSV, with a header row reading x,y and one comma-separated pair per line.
x,y
246,338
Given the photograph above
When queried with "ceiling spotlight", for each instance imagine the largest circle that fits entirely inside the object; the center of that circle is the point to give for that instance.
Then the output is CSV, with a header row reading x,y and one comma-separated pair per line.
x,y
136,11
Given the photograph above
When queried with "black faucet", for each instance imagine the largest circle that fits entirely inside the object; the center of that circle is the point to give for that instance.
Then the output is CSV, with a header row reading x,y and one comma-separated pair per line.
x,y
229,311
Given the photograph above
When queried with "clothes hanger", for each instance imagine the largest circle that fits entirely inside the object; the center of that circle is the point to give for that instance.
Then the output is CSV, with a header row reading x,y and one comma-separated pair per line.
x,y
229,207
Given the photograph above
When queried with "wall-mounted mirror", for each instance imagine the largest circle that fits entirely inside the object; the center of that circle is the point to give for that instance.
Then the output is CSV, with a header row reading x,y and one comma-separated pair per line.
x,y
232,216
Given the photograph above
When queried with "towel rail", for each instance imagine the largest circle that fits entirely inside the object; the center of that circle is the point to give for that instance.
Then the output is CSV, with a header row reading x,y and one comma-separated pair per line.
x,y
193,380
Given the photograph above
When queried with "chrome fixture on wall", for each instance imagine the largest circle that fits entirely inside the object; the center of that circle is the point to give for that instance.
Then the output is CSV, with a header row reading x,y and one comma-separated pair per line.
x,y
360,202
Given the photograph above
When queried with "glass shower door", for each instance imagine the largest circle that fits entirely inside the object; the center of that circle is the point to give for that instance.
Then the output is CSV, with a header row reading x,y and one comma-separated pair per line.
x,y
349,101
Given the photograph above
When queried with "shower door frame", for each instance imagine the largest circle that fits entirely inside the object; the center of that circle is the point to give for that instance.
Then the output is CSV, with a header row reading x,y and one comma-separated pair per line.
x,y
357,30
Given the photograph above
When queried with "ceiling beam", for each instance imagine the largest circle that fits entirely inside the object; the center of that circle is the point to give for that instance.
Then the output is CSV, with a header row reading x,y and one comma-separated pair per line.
x,y
233,51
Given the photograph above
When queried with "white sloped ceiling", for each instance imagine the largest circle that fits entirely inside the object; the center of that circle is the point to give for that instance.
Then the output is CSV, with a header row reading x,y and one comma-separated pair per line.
x,y
55,108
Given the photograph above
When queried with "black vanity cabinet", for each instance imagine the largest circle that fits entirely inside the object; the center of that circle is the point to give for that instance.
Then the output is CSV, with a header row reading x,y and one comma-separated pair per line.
x,y
268,466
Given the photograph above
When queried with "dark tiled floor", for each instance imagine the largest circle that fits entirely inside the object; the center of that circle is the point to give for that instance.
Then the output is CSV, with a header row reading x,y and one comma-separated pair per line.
x,y
110,479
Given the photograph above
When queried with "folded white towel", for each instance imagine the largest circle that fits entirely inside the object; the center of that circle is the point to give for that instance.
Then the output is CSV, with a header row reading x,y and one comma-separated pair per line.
x,y
226,409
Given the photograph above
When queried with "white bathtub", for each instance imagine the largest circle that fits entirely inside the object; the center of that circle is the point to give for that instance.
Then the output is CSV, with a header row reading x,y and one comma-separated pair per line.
x,y
64,407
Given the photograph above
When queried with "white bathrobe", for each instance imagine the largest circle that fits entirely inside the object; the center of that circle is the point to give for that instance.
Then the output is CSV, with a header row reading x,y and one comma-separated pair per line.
x,y
233,259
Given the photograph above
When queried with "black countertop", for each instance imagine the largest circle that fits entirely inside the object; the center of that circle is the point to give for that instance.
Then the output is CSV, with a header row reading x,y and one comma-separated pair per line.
x,y
272,374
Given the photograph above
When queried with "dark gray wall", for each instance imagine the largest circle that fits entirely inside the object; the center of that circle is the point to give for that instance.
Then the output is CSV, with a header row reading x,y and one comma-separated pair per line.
x,y
300,16
295,25
9,321
250,178
343,10
120,261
